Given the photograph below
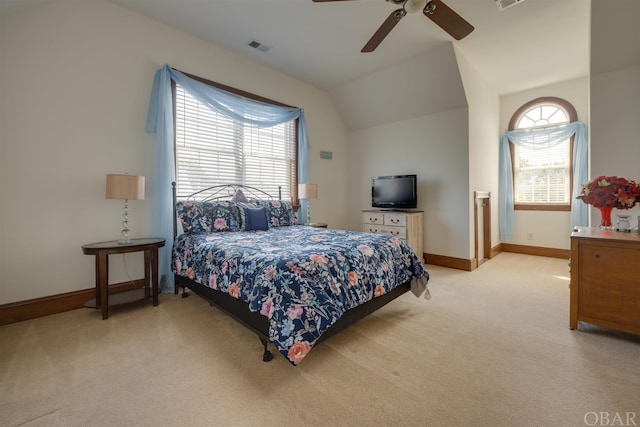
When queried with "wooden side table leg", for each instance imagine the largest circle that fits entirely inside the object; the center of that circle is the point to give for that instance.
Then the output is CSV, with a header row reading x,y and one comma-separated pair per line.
x,y
574,283
103,283
98,293
154,274
147,273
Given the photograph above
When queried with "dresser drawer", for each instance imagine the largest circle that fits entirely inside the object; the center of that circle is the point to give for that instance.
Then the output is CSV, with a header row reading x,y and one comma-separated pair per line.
x,y
403,225
372,228
373,218
398,220
400,232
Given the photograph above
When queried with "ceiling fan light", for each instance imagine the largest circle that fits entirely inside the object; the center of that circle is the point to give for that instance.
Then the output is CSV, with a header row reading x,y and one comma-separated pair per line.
x,y
503,4
412,6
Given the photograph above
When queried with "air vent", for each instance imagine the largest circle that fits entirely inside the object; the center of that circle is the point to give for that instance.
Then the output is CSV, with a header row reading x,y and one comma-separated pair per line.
x,y
503,4
257,45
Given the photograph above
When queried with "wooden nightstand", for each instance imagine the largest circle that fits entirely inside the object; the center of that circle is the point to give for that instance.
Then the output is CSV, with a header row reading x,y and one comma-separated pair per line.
x,y
102,250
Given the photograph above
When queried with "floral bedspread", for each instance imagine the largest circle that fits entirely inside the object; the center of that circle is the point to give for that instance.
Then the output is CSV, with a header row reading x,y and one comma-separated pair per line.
x,y
301,278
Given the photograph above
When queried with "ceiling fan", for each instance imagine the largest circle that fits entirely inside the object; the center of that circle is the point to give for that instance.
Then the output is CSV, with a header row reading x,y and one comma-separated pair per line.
x,y
435,10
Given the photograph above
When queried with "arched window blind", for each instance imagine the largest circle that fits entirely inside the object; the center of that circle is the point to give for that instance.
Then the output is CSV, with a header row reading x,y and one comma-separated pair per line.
x,y
542,170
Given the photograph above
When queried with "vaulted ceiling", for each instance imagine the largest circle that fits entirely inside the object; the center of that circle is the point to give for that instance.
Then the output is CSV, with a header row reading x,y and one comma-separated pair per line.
x,y
413,72
530,44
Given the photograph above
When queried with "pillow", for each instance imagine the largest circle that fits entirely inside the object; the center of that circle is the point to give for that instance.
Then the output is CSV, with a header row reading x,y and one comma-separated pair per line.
x,y
223,215
255,219
208,217
241,209
279,212
239,197
192,218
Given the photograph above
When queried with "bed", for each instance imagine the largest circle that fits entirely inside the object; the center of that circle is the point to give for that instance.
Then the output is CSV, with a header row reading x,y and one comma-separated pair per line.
x,y
293,285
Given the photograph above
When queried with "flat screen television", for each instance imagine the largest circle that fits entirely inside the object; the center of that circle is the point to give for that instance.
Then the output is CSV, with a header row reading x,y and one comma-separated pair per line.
x,y
396,192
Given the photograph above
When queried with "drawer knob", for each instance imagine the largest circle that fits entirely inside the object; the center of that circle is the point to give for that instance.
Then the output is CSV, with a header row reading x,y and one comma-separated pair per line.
x,y
373,219
395,221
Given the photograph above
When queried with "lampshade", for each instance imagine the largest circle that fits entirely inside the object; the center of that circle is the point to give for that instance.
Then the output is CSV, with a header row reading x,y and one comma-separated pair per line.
x,y
125,187
307,191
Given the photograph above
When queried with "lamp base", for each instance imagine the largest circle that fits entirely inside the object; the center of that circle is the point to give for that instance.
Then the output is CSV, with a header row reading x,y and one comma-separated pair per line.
x,y
125,240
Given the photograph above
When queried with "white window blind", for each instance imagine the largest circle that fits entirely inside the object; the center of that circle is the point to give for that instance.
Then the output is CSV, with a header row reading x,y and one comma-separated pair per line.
x,y
542,172
212,150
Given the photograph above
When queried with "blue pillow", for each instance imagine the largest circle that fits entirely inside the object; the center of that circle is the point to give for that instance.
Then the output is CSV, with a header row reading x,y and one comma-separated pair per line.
x,y
255,219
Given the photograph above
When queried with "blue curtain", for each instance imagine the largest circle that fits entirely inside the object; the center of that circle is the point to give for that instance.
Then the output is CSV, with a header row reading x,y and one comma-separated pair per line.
x,y
552,136
241,110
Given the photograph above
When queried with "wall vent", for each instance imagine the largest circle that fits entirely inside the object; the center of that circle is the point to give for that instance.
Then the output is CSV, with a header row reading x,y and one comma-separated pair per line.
x,y
257,45
503,4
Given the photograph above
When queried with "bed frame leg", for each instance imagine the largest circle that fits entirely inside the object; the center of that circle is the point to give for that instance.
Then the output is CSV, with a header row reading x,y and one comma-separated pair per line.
x,y
184,292
176,285
266,356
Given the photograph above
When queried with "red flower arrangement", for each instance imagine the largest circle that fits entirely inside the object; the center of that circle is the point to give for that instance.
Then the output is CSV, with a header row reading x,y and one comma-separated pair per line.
x,y
611,192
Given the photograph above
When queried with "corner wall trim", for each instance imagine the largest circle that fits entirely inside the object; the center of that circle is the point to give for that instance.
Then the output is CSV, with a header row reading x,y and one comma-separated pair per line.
x,y
536,250
53,304
472,264
450,262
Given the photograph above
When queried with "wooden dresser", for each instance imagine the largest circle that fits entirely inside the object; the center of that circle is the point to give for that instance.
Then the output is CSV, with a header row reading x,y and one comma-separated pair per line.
x,y
605,279
405,225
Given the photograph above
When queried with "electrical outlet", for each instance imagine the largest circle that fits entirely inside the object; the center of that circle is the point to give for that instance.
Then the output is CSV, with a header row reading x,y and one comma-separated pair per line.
x,y
529,236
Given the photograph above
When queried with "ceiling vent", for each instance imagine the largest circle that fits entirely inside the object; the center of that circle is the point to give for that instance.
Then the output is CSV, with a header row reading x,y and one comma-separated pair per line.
x,y
257,45
503,4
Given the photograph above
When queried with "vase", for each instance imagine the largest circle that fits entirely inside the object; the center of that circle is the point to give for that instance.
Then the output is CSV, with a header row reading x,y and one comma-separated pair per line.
x,y
605,218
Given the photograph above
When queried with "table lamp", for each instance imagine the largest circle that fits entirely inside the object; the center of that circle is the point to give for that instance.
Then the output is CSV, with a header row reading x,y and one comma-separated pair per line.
x,y
308,191
127,187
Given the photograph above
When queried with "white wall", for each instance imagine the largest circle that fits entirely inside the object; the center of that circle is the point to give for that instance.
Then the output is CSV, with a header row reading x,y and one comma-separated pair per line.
x,y
615,129
435,147
75,79
416,87
549,229
615,93
484,113
608,101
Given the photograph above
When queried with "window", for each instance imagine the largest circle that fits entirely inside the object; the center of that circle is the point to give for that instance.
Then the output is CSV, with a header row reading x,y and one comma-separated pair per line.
x,y
212,150
542,173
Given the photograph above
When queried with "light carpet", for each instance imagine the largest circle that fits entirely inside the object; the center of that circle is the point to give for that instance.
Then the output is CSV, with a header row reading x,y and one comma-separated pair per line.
x,y
491,348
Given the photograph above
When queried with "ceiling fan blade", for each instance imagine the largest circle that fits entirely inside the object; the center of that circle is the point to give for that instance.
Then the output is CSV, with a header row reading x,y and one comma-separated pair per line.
x,y
384,29
443,16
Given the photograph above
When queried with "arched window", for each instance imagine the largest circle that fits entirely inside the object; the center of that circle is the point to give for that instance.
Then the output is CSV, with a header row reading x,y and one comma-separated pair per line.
x,y
542,173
